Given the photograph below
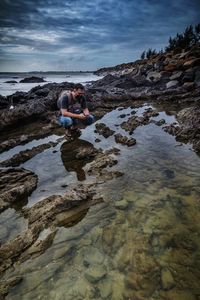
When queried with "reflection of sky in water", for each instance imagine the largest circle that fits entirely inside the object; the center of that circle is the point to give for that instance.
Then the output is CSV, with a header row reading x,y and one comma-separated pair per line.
x,y
8,154
51,174
11,224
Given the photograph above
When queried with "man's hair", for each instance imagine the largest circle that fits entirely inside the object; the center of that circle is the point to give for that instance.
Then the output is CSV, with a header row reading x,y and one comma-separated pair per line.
x,y
78,86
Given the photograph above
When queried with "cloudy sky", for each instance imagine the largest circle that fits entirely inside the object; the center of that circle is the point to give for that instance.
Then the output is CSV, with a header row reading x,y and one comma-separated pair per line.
x,y
87,34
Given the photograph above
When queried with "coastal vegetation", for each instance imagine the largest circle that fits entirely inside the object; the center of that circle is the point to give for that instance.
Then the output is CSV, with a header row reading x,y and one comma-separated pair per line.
x,y
184,41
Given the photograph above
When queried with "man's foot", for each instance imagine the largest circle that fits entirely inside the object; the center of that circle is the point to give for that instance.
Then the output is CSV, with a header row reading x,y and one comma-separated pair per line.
x,y
76,131
68,135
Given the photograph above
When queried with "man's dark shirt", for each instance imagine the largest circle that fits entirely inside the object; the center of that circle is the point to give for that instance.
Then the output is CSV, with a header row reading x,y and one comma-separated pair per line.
x,y
76,105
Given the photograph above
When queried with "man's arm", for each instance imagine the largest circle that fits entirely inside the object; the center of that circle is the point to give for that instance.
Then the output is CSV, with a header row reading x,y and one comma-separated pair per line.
x,y
86,112
66,113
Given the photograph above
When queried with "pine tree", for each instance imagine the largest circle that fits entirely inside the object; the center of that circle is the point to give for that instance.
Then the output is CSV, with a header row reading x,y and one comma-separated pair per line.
x,y
197,32
143,55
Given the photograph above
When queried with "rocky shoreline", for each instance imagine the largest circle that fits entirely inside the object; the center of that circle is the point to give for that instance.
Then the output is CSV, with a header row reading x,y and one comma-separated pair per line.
x,y
164,80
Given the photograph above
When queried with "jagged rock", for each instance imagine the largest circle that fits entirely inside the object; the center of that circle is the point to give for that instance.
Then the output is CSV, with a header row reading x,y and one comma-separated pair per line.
x,y
25,155
15,184
7,284
159,65
176,75
153,76
197,77
97,140
189,86
172,83
25,138
102,129
133,122
108,79
124,140
170,67
189,128
3,102
11,81
188,76
149,112
140,80
32,79
30,105
192,63
160,122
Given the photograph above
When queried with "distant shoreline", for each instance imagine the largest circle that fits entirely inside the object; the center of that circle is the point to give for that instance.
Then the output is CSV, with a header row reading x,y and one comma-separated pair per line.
x,y
48,72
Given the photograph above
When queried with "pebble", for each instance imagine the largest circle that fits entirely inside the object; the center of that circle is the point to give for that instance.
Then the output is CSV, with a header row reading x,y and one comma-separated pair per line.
x,y
95,273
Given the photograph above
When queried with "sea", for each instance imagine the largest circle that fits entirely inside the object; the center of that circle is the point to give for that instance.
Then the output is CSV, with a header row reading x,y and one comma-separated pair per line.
x,y
49,77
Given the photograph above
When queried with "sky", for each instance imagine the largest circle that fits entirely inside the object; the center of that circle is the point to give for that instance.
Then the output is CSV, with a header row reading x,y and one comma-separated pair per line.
x,y
73,35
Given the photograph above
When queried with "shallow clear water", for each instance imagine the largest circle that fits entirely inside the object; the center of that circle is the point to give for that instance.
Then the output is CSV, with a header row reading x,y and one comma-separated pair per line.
x,y
142,242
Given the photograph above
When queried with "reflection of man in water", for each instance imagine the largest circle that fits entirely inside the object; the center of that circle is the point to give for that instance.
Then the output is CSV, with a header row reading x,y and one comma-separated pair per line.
x,y
75,155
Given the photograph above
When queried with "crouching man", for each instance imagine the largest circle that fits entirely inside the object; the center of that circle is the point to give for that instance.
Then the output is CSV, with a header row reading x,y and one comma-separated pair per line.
x,y
73,108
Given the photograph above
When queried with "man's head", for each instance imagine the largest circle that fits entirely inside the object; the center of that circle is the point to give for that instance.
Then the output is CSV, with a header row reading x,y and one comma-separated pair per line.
x,y
79,90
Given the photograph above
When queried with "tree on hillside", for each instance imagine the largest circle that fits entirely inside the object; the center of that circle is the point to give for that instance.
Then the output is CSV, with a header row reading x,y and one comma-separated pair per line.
x,y
143,55
186,40
189,38
150,53
197,32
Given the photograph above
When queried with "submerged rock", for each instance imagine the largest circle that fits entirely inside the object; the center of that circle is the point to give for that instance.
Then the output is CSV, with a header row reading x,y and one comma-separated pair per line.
x,y
95,273
122,204
167,280
105,287
8,284
93,257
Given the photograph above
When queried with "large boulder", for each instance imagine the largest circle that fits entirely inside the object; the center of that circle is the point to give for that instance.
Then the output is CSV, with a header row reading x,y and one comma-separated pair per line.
x,y
32,79
11,81
30,105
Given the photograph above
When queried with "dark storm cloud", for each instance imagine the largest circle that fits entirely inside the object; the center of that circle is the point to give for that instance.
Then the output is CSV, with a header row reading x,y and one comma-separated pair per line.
x,y
112,31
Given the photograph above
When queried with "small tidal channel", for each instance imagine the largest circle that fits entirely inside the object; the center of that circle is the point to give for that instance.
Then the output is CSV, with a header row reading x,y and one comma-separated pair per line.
x,y
143,242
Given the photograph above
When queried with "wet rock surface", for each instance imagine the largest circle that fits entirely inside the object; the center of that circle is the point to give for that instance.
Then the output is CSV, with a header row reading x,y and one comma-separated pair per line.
x,y
102,129
15,184
29,106
188,129
133,122
119,138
